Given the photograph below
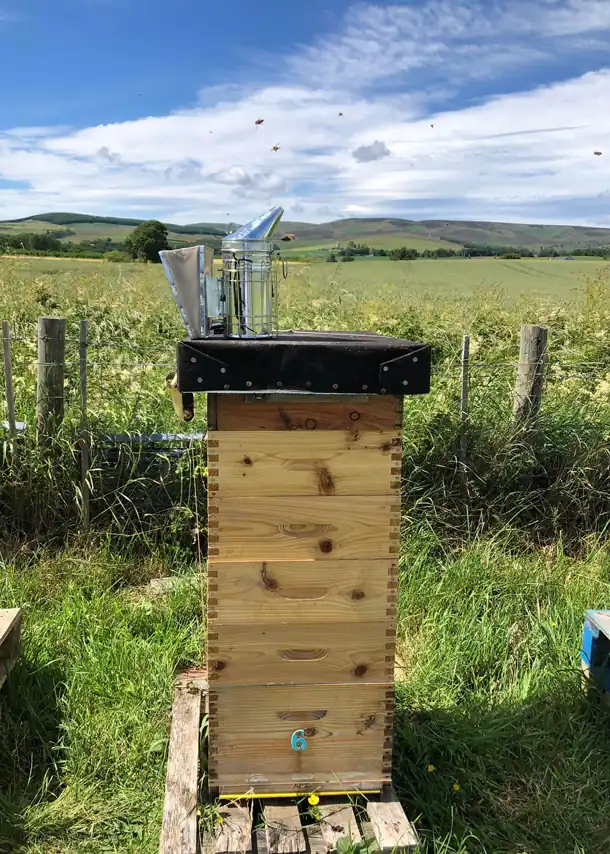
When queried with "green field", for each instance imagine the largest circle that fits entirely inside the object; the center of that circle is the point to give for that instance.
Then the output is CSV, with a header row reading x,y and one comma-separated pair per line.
x,y
497,748
508,280
449,278
320,249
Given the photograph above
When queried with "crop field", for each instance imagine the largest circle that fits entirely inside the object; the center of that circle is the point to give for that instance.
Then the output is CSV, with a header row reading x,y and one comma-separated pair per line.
x,y
321,248
498,750
507,281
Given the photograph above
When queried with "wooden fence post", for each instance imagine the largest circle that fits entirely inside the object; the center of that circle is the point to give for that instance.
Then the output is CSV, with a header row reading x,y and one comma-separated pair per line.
x,y
530,373
84,424
464,406
51,367
8,378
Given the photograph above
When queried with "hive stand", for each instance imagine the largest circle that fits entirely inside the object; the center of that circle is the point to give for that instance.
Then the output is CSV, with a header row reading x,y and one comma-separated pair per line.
x,y
10,646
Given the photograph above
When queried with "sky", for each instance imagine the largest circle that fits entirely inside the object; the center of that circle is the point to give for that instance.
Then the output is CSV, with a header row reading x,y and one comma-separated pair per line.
x,y
422,109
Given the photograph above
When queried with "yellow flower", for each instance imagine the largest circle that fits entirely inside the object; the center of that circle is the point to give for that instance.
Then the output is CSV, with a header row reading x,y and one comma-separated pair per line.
x,y
456,787
314,800
431,768
220,820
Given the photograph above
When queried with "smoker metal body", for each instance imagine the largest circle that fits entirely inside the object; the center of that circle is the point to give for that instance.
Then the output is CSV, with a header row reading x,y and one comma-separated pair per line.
x,y
241,302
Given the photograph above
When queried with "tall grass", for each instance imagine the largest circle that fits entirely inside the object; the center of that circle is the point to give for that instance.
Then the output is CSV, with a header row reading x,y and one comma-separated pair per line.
x,y
549,484
497,748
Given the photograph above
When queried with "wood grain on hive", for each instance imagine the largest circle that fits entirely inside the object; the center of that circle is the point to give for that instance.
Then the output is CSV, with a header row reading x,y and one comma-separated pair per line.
x,y
10,642
304,526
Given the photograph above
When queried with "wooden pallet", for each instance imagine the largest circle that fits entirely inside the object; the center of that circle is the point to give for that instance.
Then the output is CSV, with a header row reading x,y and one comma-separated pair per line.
x,y
10,645
276,827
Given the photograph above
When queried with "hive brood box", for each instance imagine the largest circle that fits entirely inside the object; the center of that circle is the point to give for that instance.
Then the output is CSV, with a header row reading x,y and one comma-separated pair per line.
x,y
10,640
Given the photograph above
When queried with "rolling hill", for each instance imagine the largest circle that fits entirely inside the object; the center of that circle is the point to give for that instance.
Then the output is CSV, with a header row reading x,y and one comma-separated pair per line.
x,y
452,232
320,237
81,228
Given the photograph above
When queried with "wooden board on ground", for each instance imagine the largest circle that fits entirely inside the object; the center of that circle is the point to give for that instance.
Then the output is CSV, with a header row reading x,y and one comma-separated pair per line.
x,y
347,729
234,834
283,830
393,830
303,527
10,640
306,412
304,654
281,827
338,821
325,462
342,591
179,830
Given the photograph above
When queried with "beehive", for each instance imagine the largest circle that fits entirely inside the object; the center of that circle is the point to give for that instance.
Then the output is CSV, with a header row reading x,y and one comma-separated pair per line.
x,y
304,515
304,464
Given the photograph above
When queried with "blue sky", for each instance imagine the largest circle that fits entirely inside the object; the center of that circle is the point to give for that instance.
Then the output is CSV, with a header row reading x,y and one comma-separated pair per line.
x,y
469,109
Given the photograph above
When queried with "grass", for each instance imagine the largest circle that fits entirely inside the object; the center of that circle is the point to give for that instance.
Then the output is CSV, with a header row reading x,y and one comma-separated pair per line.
x,y
497,748
504,281
321,248
489,696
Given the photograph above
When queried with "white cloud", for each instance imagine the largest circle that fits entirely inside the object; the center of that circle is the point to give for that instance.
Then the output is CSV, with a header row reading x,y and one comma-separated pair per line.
x,y
472,39
510,157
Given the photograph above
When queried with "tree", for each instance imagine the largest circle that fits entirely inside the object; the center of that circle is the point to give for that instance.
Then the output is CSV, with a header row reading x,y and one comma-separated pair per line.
x,y
147,240
404,254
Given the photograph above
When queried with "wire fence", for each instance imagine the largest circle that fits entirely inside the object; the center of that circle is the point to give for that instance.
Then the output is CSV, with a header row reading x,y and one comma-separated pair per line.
x,y
128,450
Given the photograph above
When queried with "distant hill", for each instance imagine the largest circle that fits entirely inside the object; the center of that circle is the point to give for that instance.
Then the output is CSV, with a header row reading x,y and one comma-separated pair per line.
x,y
72,219
451,231
81,228
319,237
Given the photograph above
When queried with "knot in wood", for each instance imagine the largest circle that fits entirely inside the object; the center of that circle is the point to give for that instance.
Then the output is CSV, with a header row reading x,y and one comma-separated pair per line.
x,y
326,546
219,665
360,670
358,594
326,482
355,416
311,423
310,732
247,461
269,582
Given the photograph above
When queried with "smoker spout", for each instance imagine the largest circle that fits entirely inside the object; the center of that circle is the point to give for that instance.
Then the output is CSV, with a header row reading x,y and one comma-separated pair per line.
x,y
260,228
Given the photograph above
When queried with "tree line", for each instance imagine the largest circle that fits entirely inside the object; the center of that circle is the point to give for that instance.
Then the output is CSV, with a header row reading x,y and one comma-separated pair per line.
x,y
469,250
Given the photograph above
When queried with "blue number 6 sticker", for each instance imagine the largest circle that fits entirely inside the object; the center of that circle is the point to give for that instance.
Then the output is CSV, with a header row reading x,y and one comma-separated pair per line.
x,y
298,740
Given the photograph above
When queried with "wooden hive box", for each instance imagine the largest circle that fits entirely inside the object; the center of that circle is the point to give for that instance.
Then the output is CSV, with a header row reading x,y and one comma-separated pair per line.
x,y
304,462
304,520
10,643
